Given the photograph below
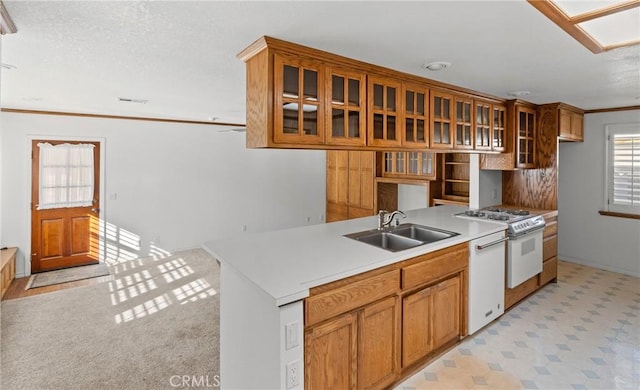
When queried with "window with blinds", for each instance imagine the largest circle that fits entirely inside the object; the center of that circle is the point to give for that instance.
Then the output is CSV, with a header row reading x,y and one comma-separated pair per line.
x,y
623,174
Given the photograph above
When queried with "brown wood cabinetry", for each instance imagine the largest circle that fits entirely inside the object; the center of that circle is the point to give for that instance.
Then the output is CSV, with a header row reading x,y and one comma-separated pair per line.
x,y
431,319
350,184
441,120
384,119
464,131
299,93
331,354
414,165
569,120
455,178
416,114
378,344
370,330
299,97
346,112
525,138
520,138
7,268
549,251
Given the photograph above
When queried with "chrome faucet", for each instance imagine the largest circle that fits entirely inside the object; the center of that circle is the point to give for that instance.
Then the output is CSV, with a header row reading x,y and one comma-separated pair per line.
x,y
385,218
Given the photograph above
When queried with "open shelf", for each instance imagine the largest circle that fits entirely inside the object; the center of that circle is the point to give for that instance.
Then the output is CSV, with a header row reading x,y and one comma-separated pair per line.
x,y
455,182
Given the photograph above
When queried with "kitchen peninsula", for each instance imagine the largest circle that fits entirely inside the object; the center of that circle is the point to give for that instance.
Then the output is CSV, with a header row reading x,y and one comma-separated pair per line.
x,y
282,289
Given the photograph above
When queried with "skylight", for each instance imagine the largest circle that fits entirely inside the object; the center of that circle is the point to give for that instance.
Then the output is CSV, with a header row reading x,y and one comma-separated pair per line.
x,y
598,25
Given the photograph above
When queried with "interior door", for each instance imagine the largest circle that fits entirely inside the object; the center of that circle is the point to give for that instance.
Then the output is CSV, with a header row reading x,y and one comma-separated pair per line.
x,y
65,236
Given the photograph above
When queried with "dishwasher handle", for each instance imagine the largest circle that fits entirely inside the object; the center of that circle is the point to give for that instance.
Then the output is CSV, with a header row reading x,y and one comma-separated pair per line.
x,y
484,246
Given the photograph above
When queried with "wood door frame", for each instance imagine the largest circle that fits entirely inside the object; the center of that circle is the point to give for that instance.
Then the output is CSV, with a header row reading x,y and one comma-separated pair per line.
x,y
28,186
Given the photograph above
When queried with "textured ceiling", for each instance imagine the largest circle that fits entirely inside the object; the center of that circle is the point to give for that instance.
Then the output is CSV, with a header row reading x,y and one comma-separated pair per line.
x,y
80,56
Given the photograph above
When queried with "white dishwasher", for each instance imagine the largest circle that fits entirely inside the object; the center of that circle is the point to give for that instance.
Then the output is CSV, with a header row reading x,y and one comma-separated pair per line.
x,y
486,279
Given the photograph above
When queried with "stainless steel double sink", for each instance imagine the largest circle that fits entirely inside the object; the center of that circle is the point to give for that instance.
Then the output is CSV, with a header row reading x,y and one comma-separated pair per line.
x,y
405,236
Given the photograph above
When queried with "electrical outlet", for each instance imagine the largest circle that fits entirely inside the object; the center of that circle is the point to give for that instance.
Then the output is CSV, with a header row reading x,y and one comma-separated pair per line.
x,y
293,371
243,228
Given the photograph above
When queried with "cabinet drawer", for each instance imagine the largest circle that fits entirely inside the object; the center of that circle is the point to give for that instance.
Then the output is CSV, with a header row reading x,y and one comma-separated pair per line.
x,y
435,268
549,271
549,248
551,228
340,300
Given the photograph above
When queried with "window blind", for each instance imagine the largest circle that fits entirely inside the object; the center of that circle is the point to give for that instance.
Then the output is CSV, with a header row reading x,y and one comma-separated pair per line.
x,y
624,170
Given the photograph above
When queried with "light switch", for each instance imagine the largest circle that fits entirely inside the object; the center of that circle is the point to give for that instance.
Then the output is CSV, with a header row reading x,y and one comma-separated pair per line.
x,y
291,335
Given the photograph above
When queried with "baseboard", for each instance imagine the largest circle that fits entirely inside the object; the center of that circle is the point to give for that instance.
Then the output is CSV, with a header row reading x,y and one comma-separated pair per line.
x,y
595,264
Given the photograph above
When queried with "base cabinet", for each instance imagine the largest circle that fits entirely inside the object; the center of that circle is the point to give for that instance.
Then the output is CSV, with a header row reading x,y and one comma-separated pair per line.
x,y
371,330
331,354
430,319
378,336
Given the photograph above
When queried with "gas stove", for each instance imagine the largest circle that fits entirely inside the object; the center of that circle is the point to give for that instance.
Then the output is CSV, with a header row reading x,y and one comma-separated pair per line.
x,y
518,221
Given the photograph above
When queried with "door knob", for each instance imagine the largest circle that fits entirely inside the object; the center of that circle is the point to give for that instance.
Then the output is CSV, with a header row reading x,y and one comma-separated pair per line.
x,y
95,210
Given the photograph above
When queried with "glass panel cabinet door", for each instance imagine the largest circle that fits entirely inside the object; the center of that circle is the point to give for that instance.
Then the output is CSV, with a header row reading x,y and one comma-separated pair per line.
x,y
526,125
298,111
441,121
346,118
483,126
416,111
385,121
499,128
413,165
463,124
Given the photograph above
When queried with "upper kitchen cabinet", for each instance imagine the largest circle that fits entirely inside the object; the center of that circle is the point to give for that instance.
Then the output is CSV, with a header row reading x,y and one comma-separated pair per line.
x,y
346,113
499,128
525,136
567,119
413,165
441,120
303,98
384,124
464,131
490,125
299,93
416,116
518,140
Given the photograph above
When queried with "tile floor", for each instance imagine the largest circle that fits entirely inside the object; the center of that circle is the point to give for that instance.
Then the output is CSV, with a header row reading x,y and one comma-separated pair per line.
x,y
582,333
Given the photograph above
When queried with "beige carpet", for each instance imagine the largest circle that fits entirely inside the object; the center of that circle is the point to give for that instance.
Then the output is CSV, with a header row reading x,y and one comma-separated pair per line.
x,y
156,320
67,275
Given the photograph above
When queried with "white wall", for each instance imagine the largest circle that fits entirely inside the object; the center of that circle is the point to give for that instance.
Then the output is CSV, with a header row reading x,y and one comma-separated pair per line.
x,y
490,188
170,186
412,196
584,236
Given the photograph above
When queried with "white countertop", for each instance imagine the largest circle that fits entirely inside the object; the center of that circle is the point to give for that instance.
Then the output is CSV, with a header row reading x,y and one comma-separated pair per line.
x,y
287,263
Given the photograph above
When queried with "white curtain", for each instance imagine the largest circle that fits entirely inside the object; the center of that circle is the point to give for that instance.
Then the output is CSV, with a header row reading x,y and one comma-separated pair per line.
x,y
66,175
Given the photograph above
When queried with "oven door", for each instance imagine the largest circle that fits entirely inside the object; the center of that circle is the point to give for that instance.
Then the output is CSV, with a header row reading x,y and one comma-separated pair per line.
x,y
524,257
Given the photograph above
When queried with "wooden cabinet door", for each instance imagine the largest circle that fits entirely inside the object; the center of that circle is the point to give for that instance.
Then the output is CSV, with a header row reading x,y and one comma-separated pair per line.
x,y
298,101
463,133
446,312
361,183
384,124
331,354
416,326
484,120
564,123
378,344
525,137
337,185
416,116
346,118
441,112
577,126
499,135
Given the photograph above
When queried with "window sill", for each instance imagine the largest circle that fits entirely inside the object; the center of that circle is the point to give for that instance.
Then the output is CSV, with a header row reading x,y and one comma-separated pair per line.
x,y
619,215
